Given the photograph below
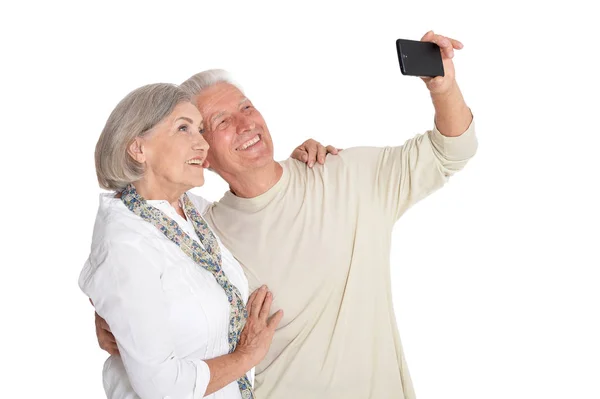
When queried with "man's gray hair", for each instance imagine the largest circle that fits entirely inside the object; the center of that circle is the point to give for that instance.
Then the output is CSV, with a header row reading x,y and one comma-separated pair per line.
x,y
206,79
133,117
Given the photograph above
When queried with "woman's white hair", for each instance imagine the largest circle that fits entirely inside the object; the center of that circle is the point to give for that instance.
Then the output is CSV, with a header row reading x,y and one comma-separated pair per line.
x,y
206,79
134,116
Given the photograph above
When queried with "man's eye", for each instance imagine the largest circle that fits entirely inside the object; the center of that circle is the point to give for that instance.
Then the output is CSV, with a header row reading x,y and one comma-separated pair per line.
x,y
221,123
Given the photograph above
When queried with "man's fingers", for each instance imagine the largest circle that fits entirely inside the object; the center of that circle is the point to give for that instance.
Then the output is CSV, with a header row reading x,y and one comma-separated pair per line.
x,y
112,349
456,44
442,41
274,320
108,343
106,338
435,82
102,323
428,36
446,44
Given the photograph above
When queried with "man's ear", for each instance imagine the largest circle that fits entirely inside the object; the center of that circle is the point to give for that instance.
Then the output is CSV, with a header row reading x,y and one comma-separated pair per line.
x,y
136,150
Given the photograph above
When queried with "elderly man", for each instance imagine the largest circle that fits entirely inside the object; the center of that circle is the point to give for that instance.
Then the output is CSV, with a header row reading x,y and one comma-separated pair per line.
x,y
320,237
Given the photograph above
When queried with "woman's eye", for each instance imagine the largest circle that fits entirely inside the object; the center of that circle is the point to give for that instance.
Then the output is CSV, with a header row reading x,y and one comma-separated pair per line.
x,y
183,128
201,130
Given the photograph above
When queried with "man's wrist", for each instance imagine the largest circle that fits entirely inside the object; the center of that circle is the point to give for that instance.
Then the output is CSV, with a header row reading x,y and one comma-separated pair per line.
x,y
449,92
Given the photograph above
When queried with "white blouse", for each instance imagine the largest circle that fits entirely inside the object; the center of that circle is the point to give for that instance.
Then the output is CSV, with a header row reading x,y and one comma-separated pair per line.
x,y
167,313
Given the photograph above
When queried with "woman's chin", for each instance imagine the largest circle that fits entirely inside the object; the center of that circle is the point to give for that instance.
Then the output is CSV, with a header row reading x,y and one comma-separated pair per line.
x,y
199,182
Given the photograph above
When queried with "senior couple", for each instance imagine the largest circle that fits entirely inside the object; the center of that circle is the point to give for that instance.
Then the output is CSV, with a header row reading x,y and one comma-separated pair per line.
x,y
170,274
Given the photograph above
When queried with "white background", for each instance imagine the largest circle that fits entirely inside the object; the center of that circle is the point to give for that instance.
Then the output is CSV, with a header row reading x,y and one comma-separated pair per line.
x,y
495,277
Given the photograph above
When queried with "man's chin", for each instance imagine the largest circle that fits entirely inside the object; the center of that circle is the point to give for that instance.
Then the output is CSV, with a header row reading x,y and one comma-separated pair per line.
x,y
242,164
260,162
256,158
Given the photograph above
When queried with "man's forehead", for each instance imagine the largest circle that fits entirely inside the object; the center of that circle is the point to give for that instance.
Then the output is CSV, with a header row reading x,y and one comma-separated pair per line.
x,y
220,95
218,112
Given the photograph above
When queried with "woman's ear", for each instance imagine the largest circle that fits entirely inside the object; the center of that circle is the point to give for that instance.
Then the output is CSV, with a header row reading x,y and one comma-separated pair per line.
x,y
136,150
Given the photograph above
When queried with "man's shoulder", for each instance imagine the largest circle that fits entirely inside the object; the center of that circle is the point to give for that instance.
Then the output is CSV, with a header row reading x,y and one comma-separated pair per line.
x,y
351,165
354,154
346,157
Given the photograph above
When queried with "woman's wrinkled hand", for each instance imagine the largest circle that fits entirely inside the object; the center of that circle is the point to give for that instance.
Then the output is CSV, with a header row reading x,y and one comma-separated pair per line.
x,y
312,151
255,339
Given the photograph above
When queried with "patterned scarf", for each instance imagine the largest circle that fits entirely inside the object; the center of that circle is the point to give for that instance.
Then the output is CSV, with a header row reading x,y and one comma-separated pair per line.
x,y
209,259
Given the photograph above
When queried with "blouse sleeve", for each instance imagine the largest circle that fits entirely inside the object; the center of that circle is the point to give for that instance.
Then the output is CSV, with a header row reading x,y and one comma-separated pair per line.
x,y
124,282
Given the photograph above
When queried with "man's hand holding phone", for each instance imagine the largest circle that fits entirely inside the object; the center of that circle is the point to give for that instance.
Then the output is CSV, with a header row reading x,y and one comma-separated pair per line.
x,y
430,59
442,84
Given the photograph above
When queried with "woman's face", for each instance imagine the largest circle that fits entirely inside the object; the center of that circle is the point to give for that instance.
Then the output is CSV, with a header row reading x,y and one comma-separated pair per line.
x,y
174,151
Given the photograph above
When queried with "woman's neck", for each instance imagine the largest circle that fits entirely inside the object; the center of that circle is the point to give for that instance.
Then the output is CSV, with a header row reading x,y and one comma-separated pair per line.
x,y
150,190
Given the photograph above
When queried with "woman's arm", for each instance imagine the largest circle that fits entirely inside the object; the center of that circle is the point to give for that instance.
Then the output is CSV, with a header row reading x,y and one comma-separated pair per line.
x,y
124,284
253,345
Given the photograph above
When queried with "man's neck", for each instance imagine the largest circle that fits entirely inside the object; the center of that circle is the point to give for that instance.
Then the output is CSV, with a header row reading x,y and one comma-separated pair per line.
x,y
255,182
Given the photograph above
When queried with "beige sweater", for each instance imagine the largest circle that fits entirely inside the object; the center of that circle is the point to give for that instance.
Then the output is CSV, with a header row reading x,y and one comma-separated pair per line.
x,y
320,239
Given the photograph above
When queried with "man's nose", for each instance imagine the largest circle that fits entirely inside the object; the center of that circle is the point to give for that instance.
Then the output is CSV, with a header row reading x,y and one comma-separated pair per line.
x,y
244,124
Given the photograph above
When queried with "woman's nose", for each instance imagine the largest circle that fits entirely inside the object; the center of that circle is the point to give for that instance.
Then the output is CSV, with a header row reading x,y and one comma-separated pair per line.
x,y
200,144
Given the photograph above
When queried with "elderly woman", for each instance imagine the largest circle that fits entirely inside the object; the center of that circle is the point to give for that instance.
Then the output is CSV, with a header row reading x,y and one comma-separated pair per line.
x,y
175,298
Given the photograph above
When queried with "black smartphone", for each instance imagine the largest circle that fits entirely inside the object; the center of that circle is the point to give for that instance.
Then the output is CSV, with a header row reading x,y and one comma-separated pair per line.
x,y
419,58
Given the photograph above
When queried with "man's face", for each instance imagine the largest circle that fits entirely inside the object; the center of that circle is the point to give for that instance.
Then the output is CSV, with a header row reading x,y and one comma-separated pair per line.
x,y
236,132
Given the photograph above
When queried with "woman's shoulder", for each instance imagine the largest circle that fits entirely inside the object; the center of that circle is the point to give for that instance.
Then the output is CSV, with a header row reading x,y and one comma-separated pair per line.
x,y
117,229
119,241
201,203
115,222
